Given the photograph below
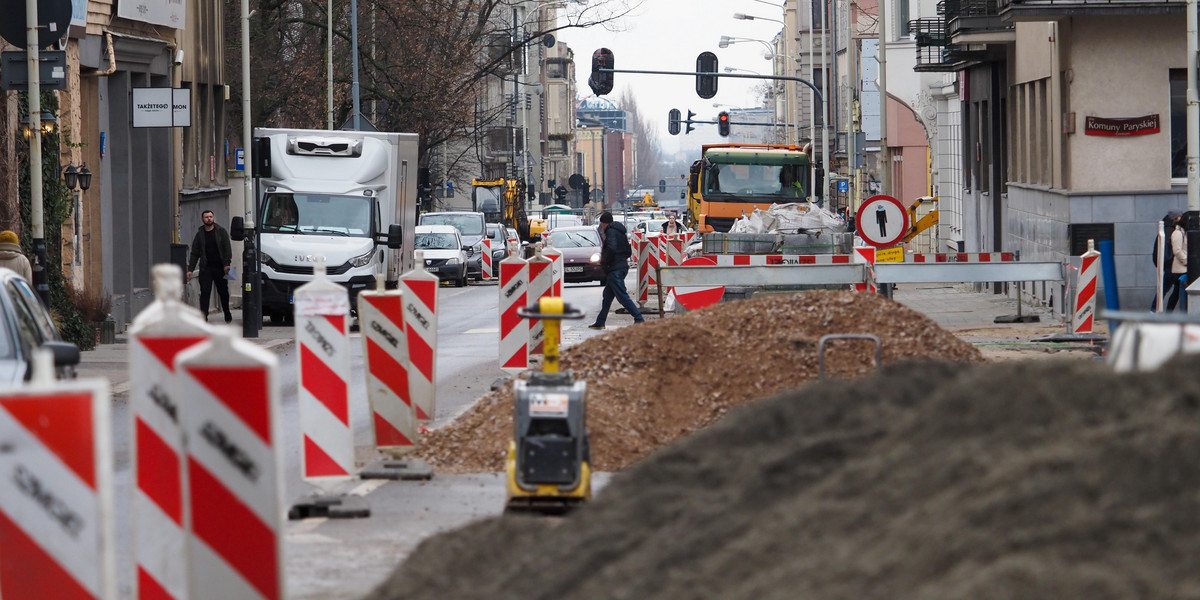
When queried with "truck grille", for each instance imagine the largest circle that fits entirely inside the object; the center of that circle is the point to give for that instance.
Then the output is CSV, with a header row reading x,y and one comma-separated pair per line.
x,y
290,270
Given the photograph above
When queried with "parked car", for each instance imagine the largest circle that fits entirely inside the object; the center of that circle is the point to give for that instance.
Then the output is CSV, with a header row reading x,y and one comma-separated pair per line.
x,y
444,252
25,326
654,226
581,253
471,227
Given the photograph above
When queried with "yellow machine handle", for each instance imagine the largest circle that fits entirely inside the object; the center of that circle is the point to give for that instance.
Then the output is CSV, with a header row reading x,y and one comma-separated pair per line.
x,y
551,310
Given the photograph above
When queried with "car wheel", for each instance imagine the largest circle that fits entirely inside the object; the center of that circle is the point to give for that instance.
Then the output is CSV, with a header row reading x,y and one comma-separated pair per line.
x,y
462,281
277,318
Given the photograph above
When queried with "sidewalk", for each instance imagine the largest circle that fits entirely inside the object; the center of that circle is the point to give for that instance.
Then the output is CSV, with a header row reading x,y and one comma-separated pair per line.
x,y
111,361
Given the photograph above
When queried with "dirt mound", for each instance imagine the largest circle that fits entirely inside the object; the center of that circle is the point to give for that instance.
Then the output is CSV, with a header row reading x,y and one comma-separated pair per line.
x,y
651,384
1047,479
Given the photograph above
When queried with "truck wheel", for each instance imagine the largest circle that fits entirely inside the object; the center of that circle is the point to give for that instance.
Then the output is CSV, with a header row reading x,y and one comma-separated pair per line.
x,y
277,318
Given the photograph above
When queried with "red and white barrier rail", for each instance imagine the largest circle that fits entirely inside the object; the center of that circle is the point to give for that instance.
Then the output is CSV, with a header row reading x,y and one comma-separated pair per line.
x,y
159,333
642,255
1085,296
385,351
697,297
322,312
57,533
420,291
541,284
514,334
726,260
964,257
235,490
486,260
866,255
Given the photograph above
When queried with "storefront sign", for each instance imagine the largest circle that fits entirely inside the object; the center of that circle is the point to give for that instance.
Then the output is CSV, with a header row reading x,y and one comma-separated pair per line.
x,y
172,13
1121,127
162,107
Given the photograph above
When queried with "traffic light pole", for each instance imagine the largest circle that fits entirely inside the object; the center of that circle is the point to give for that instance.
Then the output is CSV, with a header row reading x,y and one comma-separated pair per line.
x,y
820,97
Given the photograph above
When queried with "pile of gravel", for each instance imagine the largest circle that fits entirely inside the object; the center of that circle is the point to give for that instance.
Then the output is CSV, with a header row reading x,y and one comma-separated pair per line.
x,y
932,480
650,384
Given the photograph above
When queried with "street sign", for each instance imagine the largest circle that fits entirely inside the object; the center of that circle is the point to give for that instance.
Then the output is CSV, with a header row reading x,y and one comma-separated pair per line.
x,y
882,221
843,186
890,255
239,162
52,70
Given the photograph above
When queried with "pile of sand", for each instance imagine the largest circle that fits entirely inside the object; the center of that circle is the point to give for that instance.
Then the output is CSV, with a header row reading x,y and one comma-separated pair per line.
x,y
653,383
1047,479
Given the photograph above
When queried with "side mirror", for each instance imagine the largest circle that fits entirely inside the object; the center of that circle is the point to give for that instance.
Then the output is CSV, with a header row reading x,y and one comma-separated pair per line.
x,y
65,354
237,231
395,236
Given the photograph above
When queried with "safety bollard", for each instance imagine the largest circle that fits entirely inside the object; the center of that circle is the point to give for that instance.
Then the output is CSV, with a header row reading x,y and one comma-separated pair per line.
x,y
160,332
866,255
57,530
541,281
514,334
556,266
1085,295
234,485
322,311
385,350
420,291
485,270
643,266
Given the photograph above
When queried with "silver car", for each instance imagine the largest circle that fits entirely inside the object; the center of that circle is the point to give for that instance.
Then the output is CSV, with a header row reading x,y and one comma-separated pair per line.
x,y
25,326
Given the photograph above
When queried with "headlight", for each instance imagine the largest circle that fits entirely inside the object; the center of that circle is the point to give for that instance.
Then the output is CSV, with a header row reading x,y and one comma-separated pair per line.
x,y
452,261
364,260
595,257
267,260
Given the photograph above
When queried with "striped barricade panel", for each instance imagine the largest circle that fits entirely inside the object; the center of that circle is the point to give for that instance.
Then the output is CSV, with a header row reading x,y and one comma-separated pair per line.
x,y
514,333
420,291
322,310
385,350
541,283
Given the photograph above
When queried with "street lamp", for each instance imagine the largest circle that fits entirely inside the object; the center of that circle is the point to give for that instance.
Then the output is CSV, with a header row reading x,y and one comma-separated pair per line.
x,y
46,125
80,178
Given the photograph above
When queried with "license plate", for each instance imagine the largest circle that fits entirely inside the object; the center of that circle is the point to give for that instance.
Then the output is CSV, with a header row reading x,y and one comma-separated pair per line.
x,y
574,269
433,269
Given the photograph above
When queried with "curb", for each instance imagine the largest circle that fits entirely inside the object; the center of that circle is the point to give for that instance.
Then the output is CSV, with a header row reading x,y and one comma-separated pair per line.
x,y
121,390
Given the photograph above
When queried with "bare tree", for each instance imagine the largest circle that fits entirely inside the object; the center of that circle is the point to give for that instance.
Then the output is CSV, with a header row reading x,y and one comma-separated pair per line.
x,y
649,152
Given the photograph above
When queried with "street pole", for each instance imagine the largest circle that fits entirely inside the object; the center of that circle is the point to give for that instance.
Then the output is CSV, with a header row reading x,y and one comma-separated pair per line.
x,y
251,305
885,159
1193,144
40,284
828,113
354,36
329,59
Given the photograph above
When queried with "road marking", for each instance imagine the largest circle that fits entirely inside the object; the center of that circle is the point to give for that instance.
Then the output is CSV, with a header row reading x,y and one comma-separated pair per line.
x,y
367,487
307,525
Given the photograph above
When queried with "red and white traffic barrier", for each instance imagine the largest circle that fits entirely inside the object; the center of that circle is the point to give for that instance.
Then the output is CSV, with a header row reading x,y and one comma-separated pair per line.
x,y
653,259
541,284
641,248
322,310
385,350
514,334
486,260
1085,296
697,297
964,257
57,533
556,259
420,291
235,477
726,260
866,255
159,333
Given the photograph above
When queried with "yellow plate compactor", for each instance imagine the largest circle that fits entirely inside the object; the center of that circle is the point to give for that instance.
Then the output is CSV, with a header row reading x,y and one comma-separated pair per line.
x,y
548,459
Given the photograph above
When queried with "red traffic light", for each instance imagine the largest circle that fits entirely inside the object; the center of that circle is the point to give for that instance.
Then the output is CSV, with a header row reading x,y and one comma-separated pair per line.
x,y
723,124
601,82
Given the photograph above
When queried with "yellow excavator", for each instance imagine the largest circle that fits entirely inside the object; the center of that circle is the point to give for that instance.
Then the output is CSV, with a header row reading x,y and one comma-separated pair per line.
x,y
915,225
502,201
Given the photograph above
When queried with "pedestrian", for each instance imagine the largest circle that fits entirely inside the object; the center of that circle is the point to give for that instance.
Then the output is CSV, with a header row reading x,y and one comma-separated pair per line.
x,y
1174,251
614,259
12,257
212,253
671,227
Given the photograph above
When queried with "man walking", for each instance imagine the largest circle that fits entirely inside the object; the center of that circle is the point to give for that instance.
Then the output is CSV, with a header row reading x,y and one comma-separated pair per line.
x,y
212,252
614,258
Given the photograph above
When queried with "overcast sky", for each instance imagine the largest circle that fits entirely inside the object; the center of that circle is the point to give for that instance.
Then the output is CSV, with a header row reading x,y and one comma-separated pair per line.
x,y
667,35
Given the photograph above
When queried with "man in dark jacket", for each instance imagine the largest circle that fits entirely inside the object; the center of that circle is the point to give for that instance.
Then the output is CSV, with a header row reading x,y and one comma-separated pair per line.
x,y
614,258
212,252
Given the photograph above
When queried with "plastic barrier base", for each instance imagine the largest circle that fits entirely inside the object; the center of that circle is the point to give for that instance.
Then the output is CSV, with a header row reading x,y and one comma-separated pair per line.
x,y
404,469
333,507
1017,319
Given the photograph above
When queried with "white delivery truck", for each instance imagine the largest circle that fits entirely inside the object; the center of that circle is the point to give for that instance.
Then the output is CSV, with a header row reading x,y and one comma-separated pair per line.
x,y
338,194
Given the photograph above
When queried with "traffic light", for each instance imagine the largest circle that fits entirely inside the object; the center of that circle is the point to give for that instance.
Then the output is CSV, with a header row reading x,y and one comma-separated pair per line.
x,y
673,121
560,194
706,75
690,127
723,124
601,82
662,186
587,192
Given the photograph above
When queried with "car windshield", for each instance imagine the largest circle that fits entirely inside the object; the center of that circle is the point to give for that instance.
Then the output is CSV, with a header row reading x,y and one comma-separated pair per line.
x,y
437,241
655,226
466,224
317,214
576,238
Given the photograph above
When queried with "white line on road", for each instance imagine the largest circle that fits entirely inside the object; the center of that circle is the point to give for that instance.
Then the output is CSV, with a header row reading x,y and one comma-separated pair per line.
x,y
367,487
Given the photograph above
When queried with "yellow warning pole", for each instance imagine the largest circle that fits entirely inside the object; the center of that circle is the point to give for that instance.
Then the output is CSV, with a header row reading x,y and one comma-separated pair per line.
x,y
551,305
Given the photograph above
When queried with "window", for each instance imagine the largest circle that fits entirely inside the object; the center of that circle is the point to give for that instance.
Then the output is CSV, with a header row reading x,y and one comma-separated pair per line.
x,y
902,17
1178,79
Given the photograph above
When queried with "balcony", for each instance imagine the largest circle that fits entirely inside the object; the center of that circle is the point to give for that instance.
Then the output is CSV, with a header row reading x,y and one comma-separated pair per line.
x,y
1044,10
967,32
